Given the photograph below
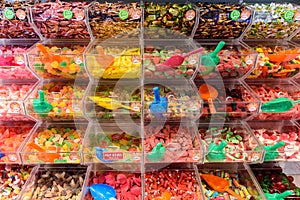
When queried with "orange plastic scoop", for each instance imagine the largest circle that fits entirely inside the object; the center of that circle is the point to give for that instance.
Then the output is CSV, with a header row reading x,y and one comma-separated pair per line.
x,y
283,56
104,60
165,196
219,184
46,157
208,93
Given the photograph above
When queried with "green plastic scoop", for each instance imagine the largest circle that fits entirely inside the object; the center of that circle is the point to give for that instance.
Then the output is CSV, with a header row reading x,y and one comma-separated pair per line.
x,y
277,196
40,104
211,60
157,153
278,105
216,152
271,151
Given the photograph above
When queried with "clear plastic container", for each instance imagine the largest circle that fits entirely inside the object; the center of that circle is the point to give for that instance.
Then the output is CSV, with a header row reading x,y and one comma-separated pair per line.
x,y
51,59
181,143
181,181
158,51
128,184
169,20
51,181
14,179
54,143
109,101
60,19
229,142
65,99
278,178
222,20
233,100
13,134
273,132
236,61
15,20
114,19
183,102
13,65
272,89
276,59
273,21
239,177
114,59
112,143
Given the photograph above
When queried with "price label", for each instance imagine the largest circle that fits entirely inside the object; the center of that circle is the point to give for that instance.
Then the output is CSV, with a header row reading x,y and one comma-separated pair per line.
x,y
68,14
9,13
113,156
123,14
190,15
235,14
21,14
289,15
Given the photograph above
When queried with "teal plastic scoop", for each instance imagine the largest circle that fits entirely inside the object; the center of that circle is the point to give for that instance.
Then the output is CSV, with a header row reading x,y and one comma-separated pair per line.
x,y
278,105
277,196
157,153
40,104
216,152
212,59
271,151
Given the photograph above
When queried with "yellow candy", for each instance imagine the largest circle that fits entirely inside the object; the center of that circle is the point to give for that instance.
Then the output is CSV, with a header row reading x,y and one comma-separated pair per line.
x,y
62,104
73,67
48,143
55,110
54,64
54,104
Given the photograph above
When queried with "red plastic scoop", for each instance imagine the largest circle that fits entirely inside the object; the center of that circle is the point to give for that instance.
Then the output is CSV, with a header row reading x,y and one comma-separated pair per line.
x,y
177,60
219,184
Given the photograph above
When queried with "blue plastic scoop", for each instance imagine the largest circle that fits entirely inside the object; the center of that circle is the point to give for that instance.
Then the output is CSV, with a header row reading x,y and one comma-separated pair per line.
x,y
160,104
102,192
40,104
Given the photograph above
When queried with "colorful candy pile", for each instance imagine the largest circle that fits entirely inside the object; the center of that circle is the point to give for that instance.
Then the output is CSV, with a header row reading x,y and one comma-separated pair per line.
x,y
238,184
63,143
181,184
12,181
233,64
154,56
180,142
11,138
127,185
276,62
240,145
114,62
52,61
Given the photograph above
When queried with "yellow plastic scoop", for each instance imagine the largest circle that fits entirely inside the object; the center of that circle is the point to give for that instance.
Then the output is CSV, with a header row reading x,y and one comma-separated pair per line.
x,y
109,103
219,184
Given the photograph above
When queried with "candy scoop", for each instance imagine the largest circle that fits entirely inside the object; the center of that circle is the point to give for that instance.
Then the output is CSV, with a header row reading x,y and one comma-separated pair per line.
x,y
40,105
177,60
164,196
271,151
46,156
219,184
216,152
157,153
159,105
283,56
278,105
209,93
277,196
109,103
102,192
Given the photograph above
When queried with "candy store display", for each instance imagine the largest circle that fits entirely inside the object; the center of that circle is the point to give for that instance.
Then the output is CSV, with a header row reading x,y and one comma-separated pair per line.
x,y
127,185
222,20
120,101
13,180
158,62
54,143
15,17
272,90
180,102
115,19
274,180
171,143
273,21
60,19
230,99
114,59
56,101
178,183
55,182
169,20
236,61
275,60
112,143
58,59
232,142
236,177
12,135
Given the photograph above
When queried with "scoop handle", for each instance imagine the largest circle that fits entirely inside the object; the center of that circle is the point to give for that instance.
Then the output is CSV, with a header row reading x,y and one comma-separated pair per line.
x,y
234,194
193,52
285,194
156,94
41,95
276,146
296,102
218,48
211,106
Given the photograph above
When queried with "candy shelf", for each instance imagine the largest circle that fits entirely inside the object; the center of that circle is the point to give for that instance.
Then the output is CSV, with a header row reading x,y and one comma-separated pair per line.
x,y
114,59
61,19
239,176
54,143
114,19
230,142
180,141
222,20
236,61
276,59
112,143
55,59
275,132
